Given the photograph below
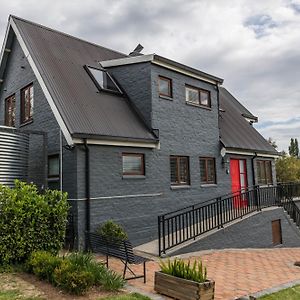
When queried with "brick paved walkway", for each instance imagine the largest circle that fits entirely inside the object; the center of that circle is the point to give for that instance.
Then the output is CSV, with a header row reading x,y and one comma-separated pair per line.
x,y
236,272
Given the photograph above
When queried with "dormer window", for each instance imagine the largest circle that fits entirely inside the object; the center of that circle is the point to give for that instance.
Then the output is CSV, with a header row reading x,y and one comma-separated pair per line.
x,y
196,96
103,80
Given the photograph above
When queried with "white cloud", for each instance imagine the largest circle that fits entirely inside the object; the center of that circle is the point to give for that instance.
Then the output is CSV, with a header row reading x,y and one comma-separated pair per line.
x,y
253,45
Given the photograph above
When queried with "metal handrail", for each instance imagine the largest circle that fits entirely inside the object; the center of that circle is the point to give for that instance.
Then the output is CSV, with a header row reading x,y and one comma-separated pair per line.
x,y
179,226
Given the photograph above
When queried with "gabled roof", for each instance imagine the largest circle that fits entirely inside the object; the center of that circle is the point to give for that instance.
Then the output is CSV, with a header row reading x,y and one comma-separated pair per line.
x,y
235,131
224,93
58,61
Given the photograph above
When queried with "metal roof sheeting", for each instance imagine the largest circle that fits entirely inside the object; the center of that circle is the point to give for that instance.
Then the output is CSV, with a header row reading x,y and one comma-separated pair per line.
x,y
60,60
235,131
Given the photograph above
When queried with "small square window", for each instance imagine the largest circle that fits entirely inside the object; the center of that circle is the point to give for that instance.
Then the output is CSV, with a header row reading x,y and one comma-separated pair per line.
x,y
133,164
207,170
180,173
264,172
53,166
26,104
165,86
197,96
10,111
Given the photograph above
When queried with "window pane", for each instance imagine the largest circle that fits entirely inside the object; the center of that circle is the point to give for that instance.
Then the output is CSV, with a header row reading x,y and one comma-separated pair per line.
x,y
203,174
165,87
53,166
192,95
103,79
210,171
269,172
132,164
204,98
10,111
27,103
184,170
173,168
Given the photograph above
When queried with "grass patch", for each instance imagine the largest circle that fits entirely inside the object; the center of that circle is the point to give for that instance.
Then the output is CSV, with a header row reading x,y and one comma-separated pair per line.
x,y
15,295
133,296
292,293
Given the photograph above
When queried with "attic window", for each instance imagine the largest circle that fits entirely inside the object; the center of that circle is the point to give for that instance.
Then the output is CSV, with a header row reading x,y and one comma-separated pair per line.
x,y
103,80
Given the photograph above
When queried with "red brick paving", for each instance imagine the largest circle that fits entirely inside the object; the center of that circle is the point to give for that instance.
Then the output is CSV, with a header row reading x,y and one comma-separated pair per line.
x,y
236,272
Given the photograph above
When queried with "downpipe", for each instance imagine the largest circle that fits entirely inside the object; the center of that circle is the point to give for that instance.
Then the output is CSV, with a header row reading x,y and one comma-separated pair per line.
x,y
87,192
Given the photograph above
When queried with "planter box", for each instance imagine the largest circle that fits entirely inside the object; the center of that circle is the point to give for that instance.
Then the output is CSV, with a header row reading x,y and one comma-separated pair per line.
x,y
183,289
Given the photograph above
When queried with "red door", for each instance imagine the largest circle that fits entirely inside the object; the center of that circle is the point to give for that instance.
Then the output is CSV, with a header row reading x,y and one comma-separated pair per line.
x,y
238,173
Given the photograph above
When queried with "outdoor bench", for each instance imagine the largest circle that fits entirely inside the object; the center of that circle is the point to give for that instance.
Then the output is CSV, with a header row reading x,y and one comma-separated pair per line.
x,y
121,249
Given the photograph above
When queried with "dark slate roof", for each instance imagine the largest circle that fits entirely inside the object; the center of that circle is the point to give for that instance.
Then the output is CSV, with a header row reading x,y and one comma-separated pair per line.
x,y
235,131
243,110
60,59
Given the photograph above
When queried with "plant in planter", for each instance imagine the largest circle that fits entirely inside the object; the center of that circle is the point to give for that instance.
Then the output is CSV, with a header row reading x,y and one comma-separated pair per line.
x,y
184,281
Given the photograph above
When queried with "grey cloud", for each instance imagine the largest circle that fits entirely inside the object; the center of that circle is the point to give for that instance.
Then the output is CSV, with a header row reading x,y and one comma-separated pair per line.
x,y
260,24
260,69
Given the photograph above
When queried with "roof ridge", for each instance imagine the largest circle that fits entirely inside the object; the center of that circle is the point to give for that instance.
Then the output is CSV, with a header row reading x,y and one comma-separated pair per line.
x,y
63,33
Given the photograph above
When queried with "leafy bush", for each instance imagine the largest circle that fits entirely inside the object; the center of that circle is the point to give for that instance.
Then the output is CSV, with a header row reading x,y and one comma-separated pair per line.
x,y
30,221
43,264
71,279
75,273
102,276
178,268
112,230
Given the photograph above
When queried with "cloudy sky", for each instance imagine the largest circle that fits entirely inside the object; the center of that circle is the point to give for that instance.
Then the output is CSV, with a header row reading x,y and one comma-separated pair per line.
x,y
253,45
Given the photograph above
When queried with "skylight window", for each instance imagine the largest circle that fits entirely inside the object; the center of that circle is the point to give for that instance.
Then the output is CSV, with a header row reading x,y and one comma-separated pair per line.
x,y
103,80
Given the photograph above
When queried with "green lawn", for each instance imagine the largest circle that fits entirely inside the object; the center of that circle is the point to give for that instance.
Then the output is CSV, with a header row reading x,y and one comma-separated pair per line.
x,y
15,295
133,296
292,293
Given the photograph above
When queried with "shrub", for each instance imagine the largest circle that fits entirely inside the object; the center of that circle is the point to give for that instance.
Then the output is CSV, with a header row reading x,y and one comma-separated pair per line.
x,y
43,264
178,268
72,279
112,230
79,271
30,221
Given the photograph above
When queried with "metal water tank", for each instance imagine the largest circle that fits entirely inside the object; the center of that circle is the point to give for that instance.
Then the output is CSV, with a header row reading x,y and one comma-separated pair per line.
x,y
14,150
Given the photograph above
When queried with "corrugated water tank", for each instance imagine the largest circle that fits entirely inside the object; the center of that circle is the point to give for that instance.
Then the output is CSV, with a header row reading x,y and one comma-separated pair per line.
x,y
14,150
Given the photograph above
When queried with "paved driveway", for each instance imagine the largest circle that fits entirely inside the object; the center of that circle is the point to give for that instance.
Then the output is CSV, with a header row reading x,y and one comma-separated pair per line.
x,y
236,272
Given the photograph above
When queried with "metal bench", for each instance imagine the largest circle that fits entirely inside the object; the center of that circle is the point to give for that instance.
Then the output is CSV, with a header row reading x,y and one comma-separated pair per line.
x,y
121,249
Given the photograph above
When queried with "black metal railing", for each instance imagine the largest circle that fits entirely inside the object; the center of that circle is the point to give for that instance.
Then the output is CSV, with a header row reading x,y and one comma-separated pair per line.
x,y
185,224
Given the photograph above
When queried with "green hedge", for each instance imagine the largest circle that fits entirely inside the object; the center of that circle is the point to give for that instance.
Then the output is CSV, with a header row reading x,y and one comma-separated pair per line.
x,y
30,221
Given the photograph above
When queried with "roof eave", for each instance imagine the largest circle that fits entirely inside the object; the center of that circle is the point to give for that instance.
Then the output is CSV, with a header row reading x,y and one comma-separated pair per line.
x,y
164,62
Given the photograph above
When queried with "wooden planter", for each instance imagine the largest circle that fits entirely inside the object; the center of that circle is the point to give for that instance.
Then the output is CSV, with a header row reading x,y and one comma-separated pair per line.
x,y
183,289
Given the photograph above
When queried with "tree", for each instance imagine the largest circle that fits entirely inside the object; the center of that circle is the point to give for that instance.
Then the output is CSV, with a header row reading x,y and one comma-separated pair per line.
x,y
294,148
288,169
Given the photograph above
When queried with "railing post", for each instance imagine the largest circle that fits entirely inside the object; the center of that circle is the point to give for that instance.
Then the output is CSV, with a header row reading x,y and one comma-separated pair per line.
x,y
219,213
163,234
159,236
193,217
257,197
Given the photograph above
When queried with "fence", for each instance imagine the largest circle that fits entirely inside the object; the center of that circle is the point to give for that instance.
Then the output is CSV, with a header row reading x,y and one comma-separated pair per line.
x,y
182,225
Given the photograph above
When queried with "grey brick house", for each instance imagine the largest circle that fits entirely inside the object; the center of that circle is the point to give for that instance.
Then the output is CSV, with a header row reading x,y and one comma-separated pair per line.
x,y
128,136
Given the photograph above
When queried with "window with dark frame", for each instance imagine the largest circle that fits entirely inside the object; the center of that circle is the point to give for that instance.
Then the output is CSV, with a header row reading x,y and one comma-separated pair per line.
x,y
27,104
264,172
197,96
103,80
165,87
207,170
10,111
133,163
53,166
179,167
